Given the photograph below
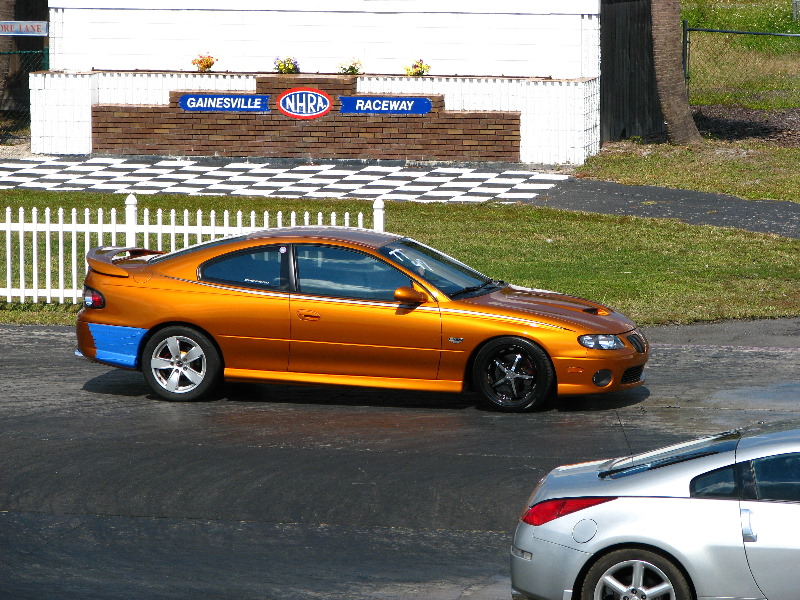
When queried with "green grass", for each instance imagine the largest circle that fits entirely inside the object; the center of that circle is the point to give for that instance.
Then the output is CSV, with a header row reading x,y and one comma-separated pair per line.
x,y
751,170
751,71
773,16
656,271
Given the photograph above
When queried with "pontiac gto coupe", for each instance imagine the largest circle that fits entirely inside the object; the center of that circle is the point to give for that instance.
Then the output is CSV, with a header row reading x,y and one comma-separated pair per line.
x,y
324,305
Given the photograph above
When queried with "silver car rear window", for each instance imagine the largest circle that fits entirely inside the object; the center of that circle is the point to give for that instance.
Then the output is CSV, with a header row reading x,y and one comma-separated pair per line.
x,y
655,459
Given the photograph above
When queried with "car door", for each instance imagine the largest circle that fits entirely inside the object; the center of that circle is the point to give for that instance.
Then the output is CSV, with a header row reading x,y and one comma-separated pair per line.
x,y
247,307
345,321
771,525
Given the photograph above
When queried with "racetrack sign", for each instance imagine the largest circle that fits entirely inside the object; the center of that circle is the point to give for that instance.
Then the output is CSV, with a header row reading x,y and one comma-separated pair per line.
x,y
35,28
385,106
224,102
304,103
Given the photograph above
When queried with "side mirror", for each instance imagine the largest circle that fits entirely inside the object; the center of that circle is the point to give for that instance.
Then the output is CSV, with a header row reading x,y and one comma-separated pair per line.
x,y
408,295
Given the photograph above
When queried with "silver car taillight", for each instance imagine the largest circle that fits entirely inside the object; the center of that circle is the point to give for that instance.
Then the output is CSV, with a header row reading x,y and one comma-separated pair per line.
x,y
546,511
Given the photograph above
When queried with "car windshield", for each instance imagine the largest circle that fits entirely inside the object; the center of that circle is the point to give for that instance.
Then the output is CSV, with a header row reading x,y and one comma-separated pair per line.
x,y
723,442
452,277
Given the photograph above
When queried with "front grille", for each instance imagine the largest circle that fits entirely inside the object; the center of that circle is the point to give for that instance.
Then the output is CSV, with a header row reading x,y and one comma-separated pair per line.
x,y
633,374
637,341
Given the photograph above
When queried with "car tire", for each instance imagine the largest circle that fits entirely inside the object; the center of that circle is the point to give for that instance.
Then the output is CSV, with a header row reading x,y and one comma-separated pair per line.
x,y
513,374
181,364
638,572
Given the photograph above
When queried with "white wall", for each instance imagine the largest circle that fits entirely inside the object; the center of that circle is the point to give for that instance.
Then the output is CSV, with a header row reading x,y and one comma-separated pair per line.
x,y
467,43
523,38
559,119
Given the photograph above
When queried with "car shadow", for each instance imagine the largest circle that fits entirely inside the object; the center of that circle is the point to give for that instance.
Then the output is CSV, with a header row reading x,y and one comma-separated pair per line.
x,y
119,382
345,396
600,402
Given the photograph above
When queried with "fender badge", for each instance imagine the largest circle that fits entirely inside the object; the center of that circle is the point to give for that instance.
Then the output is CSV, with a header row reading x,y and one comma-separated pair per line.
x,y
455,340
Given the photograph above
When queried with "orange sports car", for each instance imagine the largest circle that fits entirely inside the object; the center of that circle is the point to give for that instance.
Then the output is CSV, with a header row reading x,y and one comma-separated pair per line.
x,y
345,306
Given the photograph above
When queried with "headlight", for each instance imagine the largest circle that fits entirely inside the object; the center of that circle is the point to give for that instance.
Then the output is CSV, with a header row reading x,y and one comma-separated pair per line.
x,y
601,341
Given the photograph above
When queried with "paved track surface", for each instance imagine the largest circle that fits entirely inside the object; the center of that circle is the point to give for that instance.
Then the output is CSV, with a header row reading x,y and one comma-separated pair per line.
x,y
328,493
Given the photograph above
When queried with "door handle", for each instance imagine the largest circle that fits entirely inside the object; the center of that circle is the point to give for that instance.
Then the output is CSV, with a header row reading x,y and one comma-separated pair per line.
x,y
308,315
748,535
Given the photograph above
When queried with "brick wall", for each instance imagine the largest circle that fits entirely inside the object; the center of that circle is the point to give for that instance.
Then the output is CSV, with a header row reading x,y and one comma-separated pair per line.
x,y
437,136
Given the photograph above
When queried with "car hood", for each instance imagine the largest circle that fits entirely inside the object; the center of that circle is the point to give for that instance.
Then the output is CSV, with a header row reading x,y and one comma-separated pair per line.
x,y
570,310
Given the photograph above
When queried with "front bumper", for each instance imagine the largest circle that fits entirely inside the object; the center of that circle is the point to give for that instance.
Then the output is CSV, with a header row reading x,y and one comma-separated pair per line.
x,y
599,375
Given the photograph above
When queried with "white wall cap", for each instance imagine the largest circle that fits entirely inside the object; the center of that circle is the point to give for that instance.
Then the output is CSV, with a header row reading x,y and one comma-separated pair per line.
x,y
527,7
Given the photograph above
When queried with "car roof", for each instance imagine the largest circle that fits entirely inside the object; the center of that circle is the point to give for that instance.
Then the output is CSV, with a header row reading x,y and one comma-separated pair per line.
x,y
360,237
364,237
766,439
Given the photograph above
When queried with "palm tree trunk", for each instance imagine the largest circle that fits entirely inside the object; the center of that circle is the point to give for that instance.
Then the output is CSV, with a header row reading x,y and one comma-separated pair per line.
x,y
668,65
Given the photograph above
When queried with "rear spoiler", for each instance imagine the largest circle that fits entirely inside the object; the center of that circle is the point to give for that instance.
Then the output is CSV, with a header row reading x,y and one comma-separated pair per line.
x,y
102,259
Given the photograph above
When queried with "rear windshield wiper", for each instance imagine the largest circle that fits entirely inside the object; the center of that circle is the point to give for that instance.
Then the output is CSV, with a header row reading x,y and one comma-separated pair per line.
x,y
649,466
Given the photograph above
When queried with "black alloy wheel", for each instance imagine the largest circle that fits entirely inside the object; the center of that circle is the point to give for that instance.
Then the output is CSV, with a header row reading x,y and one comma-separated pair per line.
x,y
513,374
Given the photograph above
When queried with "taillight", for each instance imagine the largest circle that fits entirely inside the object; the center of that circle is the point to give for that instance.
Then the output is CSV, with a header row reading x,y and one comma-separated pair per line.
x,y
92,298
546,511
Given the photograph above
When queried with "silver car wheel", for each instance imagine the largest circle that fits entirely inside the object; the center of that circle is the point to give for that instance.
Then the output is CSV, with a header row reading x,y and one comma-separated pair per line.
x,y
634,580
178,364
635,574
181,364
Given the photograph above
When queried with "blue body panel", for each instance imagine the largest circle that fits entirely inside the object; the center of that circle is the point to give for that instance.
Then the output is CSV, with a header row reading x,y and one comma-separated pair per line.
x,y
118,346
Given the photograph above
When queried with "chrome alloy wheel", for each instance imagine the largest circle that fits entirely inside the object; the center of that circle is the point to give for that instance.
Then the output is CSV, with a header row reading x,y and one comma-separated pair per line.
x,y
634,580
178,364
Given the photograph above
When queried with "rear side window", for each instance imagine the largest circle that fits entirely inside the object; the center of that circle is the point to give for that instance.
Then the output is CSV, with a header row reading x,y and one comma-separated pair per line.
x,y
264,268
720,483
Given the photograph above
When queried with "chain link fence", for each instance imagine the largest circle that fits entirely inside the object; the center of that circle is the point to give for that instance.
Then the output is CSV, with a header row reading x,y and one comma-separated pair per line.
x,y
15,100
753,70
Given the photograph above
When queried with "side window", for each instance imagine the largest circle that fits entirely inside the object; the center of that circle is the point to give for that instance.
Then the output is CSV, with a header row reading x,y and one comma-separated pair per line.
x,y
332,271
263,268
720,483
778,477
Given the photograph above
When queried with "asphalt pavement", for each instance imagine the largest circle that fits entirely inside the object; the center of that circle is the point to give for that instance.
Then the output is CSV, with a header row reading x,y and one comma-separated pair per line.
x,y
291,492
696,208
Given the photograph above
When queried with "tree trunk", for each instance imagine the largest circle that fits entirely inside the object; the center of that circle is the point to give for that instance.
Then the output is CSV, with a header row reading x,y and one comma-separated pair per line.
x,y
668,65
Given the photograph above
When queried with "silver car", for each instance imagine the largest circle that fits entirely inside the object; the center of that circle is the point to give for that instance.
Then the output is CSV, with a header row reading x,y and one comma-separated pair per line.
x,y
717,517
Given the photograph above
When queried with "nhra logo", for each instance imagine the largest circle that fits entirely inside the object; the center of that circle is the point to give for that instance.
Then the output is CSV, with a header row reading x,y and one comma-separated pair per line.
x,y
304,103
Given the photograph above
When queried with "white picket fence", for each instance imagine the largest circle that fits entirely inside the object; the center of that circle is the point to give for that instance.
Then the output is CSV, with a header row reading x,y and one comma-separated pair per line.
x,y
45,250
